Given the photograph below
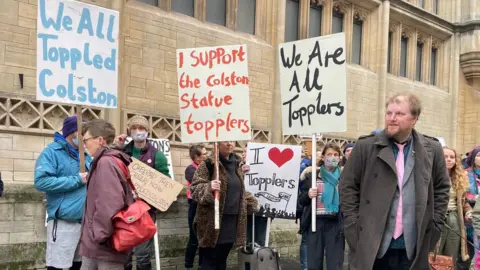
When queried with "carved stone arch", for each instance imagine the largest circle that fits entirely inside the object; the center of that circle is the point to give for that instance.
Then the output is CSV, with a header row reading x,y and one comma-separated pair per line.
x,y
422,38
341,6
360,13
318,2
407,32
394,26
436,43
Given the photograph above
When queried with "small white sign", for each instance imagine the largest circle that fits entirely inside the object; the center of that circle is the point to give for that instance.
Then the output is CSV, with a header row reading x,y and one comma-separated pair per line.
x,y
313,85
77,53
213,94
162,145
273,178
442,141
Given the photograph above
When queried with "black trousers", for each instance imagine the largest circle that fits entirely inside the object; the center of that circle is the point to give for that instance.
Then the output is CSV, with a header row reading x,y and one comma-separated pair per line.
x,y
192,244
215,258
328,240
394,259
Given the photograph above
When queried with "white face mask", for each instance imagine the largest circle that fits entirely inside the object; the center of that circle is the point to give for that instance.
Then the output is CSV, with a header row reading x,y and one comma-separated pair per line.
x,y
139,136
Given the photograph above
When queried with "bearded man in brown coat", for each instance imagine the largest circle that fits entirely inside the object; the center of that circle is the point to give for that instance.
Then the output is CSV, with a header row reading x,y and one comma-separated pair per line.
x,y
394,193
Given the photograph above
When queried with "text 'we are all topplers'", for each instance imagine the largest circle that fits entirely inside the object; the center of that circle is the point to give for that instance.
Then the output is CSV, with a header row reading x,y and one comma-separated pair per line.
x,y
308,75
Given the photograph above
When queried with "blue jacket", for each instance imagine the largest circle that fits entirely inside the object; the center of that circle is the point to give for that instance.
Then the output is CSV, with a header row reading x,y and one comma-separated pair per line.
x,y
57,174
305,163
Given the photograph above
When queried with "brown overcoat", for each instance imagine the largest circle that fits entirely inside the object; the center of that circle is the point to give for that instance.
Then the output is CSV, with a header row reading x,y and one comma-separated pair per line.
x,y
204,223
367,189
463,207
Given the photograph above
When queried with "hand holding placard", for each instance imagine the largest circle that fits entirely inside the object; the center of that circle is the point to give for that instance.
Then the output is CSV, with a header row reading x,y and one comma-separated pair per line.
x,y
215,185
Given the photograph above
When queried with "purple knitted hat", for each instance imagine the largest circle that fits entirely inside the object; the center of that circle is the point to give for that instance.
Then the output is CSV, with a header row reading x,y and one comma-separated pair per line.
x,y
69,125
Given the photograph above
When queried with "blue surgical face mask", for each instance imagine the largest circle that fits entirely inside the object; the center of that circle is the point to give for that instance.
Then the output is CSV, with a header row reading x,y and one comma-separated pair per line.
x,y
75,141
139,136
331,162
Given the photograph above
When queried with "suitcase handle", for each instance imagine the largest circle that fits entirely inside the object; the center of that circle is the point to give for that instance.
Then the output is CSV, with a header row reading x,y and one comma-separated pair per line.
x,y
253,232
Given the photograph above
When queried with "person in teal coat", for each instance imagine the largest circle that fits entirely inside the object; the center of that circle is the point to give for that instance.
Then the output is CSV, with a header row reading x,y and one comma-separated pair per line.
x,y
57,173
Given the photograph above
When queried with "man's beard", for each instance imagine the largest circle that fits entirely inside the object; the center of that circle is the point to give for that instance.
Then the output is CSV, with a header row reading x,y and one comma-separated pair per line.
x,y
392,135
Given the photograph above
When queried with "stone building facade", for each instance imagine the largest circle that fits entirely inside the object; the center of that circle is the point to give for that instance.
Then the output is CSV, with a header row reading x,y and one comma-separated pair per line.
x,y
429,47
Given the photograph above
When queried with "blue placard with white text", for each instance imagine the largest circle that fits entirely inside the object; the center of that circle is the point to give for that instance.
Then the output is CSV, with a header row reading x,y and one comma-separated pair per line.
x,y
77,53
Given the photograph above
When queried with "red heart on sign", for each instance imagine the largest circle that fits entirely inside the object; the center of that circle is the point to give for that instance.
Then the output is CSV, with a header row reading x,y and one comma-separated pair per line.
x,y
280,158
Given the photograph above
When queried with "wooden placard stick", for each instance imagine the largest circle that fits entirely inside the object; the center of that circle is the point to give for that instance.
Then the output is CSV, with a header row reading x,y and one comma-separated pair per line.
x,y
81,150
217,193
314,182
314,179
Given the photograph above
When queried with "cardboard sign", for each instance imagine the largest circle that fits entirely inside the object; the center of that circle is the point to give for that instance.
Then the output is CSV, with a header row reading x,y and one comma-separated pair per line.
x,y
77,53
213,94
162,145
152,186
273,178
313,85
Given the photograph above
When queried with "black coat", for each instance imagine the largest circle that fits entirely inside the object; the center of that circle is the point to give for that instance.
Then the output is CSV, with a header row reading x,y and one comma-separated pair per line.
x,y
1,185
367,188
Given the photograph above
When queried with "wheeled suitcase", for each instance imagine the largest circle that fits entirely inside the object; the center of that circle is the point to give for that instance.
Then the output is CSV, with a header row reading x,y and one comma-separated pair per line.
x,y
254,257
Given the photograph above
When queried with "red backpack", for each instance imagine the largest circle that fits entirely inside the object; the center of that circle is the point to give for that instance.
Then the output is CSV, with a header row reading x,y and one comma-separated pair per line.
x,y
133,225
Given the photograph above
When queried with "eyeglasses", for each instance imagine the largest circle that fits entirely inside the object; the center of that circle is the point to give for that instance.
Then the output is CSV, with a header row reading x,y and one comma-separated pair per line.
x,y
85,140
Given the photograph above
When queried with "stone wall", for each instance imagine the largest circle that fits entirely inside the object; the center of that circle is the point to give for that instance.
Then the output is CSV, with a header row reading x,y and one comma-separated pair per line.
x,y
22,227
436,111
468,116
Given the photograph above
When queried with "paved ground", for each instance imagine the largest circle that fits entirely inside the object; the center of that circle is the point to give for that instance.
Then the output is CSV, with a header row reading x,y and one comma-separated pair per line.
x,y
290,264
285,264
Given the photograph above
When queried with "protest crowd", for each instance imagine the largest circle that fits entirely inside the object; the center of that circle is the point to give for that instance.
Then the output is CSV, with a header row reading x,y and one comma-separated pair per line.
x,y
395,191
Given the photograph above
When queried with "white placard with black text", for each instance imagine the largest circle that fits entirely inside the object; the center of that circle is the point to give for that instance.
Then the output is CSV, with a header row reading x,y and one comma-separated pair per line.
x,y
273,178
313,85
162,145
